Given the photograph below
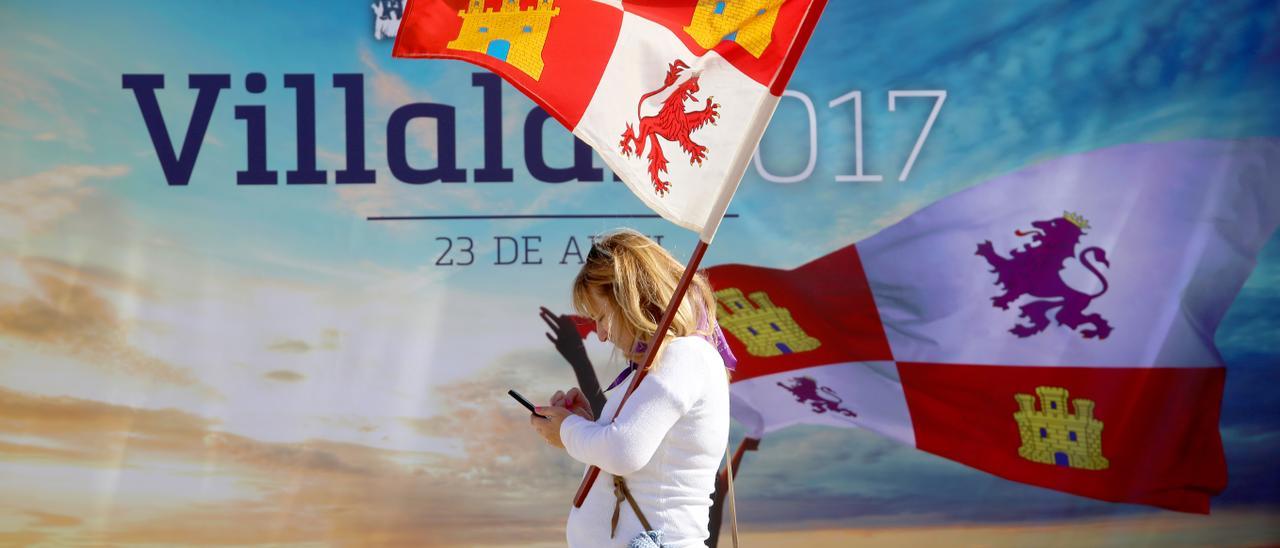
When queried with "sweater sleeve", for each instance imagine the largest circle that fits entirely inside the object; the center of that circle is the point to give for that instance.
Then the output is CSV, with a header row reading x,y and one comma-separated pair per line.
x,y
668,392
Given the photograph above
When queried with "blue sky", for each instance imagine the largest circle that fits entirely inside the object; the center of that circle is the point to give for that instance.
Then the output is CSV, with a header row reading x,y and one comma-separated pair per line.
x,y
1026,81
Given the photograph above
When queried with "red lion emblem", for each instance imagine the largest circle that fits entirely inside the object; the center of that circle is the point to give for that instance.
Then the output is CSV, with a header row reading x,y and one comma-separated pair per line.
x,y
671,123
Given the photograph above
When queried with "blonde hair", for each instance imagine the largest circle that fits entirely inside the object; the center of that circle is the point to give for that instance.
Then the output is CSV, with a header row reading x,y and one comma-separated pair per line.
x,y
636,277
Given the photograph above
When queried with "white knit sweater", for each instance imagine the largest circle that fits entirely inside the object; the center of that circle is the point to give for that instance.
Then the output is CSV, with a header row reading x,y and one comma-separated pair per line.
x,y
667,443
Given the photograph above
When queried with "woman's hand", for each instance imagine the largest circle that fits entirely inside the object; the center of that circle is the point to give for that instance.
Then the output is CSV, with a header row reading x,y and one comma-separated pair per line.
x,y
562,405
549,427
574,401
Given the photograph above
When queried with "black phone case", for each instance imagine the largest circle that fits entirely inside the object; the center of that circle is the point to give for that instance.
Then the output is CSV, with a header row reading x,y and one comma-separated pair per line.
x,y
524,402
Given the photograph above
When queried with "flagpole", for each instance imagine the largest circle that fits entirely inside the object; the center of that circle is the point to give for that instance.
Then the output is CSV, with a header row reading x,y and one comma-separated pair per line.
x,y
722,485
658,336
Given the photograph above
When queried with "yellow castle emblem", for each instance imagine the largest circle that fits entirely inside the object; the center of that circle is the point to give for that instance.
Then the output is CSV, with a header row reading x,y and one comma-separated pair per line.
x,y
747,22
1051,435
511,34
765,329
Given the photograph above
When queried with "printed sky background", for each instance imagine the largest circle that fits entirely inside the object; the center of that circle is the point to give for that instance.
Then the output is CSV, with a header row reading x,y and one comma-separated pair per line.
x,y
214,364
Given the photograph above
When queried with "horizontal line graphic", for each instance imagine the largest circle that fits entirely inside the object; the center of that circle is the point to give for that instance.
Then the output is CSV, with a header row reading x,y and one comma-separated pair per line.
x,y
545,216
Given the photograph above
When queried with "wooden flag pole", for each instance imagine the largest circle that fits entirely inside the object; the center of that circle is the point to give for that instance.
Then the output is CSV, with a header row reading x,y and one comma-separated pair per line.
x,y
722,485
658,336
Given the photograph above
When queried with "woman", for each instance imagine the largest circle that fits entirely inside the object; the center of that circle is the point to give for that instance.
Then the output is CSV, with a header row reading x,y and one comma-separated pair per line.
x,y
669,438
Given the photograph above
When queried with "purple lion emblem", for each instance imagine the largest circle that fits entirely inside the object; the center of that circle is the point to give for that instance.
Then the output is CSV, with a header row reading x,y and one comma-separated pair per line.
x,y
821,398
1033,270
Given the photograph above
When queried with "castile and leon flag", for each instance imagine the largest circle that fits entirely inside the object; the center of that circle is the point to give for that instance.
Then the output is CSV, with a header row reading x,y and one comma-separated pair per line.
x,y
1069,349
1053,326
673,95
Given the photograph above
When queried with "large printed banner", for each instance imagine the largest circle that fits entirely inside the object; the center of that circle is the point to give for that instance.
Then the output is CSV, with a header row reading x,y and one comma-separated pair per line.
x,y
997,272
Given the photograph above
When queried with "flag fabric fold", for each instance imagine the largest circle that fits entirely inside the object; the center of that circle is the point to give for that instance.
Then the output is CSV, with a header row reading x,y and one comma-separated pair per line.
x,y
674,96
1053,326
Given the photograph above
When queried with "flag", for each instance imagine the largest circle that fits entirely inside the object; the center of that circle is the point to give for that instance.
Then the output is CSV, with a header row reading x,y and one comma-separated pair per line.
x,y
1053,326
673,95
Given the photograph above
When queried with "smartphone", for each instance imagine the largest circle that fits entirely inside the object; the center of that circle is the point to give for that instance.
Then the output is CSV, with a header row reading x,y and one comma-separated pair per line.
x,y
524,402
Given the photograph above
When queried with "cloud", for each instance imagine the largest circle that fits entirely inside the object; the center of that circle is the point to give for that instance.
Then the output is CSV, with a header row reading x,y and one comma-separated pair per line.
x,y
32,204
308,457
65,314
93,431
87,432
310,491
44,453
47,519
33,80
404,511
21,538
500,446
293,346
329,339
390,91
87,274
284,376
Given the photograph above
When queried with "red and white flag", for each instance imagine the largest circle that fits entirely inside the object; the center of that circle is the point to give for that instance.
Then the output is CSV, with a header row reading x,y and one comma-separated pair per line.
x,y
674,95
1053,326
